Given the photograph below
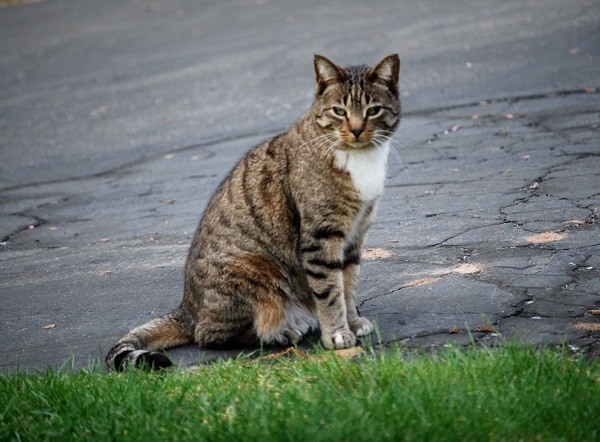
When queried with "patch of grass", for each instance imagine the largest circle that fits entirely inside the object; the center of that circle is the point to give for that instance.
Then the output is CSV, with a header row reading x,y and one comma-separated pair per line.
x,y
510,393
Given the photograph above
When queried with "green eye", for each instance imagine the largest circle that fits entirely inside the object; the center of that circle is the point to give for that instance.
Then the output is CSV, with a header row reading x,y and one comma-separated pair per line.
x,y
373,110
339,111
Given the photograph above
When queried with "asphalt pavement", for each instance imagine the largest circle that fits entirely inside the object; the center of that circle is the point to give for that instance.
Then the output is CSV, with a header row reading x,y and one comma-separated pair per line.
x,y
119,119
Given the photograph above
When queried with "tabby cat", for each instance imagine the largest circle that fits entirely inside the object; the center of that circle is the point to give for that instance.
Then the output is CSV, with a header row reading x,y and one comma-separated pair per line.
x,y
277,252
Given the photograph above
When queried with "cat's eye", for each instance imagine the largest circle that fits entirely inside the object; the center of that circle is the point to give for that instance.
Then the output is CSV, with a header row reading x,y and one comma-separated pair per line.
x,y
373,110
340,111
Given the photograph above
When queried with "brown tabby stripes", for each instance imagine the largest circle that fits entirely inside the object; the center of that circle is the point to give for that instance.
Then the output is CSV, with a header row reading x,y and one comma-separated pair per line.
x,y
277,252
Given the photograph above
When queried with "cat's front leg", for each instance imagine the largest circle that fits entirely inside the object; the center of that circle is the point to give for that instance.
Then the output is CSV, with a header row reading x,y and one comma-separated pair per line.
x,y
360,326
326,280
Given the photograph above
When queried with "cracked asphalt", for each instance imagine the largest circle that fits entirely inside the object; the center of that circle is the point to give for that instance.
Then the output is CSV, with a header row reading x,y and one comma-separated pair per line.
x,y
118,121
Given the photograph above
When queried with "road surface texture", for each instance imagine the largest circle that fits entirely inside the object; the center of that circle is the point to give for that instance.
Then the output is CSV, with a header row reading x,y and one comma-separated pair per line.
x,y
119,119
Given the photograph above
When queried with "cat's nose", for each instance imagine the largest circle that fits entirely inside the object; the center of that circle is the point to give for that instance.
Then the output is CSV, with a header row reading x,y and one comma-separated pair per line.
x,y
356,132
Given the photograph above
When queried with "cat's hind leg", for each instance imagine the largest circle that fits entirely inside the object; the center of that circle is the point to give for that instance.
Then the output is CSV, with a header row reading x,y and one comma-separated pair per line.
x,y
229,317
302,318
283,323
278,318
140,347
271,325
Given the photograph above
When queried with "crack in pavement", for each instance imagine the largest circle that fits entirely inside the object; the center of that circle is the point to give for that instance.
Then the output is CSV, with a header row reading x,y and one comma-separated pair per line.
x,y
37,223
508,99
463,269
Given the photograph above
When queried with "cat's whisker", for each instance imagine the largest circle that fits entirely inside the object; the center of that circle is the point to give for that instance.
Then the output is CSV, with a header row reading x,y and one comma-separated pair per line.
x,y
331,148
321,139
325,145
397,156
328,141
380,139
329,138
386,137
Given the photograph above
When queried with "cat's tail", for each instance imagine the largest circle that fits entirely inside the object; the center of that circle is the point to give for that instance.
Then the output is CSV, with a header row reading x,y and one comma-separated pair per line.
x,y
140,347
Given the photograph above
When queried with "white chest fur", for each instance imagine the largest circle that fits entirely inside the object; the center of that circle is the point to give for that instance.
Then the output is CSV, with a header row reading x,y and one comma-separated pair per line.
x,y
367,169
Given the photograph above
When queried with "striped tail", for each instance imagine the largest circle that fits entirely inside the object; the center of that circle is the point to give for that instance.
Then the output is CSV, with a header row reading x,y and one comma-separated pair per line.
x,y
140,347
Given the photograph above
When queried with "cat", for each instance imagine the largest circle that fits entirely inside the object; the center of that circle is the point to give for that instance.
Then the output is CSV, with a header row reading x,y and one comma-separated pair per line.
x,y
277,251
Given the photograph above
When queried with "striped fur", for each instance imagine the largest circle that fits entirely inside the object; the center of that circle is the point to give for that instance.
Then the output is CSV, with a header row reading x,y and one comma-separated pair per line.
x,y
277,252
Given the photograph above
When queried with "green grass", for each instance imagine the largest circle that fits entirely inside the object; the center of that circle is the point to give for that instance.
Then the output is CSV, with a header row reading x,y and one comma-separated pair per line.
x,y
510,393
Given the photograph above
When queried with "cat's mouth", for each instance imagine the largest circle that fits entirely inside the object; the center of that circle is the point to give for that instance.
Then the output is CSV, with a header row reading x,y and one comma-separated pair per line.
x,y
356,145
355,141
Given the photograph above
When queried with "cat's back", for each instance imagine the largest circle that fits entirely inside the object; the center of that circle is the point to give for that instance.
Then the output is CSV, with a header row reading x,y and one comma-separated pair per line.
x,y
269,176
252,209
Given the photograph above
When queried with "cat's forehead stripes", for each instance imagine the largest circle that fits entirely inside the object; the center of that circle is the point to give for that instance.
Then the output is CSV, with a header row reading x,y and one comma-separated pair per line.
x,y
356,97
356,94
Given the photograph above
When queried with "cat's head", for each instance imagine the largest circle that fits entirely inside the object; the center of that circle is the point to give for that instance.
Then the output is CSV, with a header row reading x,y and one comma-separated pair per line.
x,y
358,106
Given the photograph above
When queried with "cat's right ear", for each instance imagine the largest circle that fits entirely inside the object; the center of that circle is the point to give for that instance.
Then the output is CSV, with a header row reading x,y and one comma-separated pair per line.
x,y
327,73
386,72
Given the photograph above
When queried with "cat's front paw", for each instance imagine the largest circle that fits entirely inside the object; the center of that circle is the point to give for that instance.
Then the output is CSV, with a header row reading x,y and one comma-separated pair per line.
x,y
338,340
361,327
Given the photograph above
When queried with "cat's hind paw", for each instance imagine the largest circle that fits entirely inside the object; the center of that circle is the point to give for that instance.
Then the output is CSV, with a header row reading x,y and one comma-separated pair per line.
x,y
361,327
290,337
294,336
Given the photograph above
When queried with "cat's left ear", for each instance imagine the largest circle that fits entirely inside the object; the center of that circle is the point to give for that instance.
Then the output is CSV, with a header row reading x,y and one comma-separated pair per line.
x,y
387,72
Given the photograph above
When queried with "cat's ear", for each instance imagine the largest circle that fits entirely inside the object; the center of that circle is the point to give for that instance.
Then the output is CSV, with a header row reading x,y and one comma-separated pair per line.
x,y
327,73
386,72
